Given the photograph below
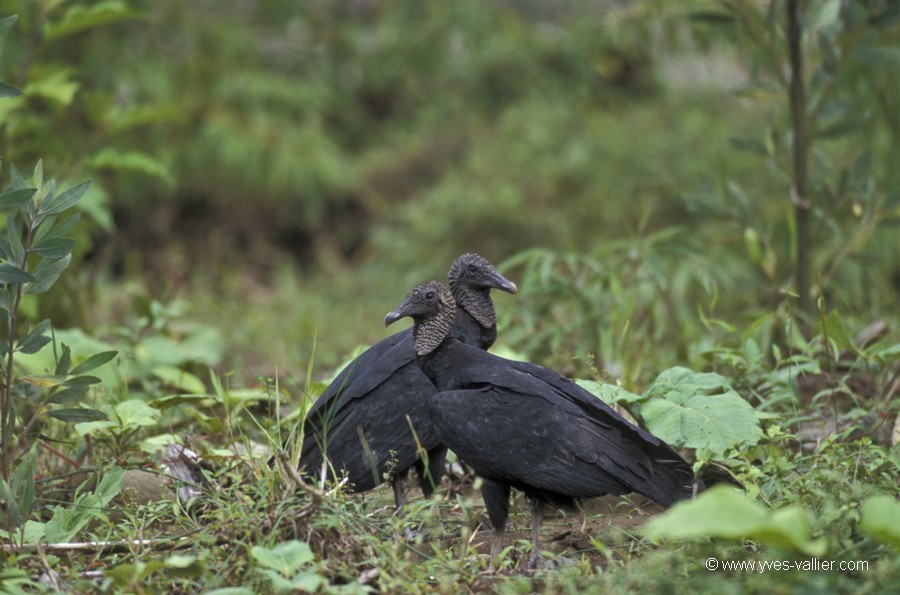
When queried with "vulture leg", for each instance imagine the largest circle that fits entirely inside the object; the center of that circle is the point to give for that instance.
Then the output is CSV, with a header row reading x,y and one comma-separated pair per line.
x,y
430,477
537,517
496,501
398,482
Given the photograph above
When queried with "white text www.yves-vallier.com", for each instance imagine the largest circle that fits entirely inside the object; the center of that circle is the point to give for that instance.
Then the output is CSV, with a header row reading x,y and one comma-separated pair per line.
x,y
810,565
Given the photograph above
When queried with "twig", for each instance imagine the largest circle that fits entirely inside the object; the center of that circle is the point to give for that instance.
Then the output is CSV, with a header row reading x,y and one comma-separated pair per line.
x,y
108,547
288,469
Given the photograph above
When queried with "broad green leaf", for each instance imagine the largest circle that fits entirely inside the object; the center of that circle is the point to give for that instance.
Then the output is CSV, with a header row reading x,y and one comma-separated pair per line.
x,y
699,410
13,198
65,199
881,519
46,273
94,361
9,90
54,247
13,275
110,485
135,413
68,521
725,512
81,17
77,414
88,427
287,558
154,444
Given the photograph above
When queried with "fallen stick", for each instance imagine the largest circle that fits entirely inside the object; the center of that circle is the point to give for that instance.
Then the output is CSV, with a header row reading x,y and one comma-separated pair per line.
x,y
99,546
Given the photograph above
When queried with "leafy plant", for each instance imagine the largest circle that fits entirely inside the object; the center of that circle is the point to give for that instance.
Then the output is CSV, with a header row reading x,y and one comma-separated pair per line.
x,y
34,251
289,566
725,512
810,60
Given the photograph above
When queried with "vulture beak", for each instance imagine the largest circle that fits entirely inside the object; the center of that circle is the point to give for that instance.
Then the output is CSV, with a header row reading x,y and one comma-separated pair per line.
x,y
396,314
503,284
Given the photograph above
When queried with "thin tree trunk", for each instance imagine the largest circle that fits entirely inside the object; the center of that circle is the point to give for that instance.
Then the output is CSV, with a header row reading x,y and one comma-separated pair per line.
x,y
799,188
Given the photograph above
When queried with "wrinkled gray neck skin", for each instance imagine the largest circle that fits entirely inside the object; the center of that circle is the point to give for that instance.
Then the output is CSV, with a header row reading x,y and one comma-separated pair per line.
x,y
476,301
428,333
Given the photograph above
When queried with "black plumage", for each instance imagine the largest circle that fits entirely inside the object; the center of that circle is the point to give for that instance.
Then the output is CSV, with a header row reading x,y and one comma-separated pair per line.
x,y
372,420
524,426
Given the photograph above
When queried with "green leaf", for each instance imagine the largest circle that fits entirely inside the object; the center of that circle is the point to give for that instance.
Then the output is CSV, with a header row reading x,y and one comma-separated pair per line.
x,y
136,413
94,361
13,198
18,180
169,401
55,87
82,381
178,378
287,558
23,485
46,273
131,161
66,199
89,427
109,485
43,380
725,512
32,340
608,392
881,519
56,229
13,275
77,414
694,410
54,247
9,90
65,362
82,17
14,247
68,395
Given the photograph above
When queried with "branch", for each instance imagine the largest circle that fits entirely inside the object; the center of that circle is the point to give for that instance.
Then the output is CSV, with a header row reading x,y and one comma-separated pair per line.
x,y
98,547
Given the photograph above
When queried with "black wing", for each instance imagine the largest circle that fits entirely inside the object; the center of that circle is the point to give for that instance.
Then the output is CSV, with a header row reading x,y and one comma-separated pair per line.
x,y
523,422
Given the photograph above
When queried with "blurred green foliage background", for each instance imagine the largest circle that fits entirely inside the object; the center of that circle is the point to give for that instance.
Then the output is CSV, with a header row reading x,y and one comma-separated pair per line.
x,y
285,172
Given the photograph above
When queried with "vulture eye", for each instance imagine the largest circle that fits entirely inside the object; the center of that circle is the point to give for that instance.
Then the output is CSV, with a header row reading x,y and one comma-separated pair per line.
x,y
473,268
429,295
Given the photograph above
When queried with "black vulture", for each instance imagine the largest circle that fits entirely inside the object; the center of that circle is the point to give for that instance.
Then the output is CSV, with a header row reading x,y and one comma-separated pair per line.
x,y
524,426
372,420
